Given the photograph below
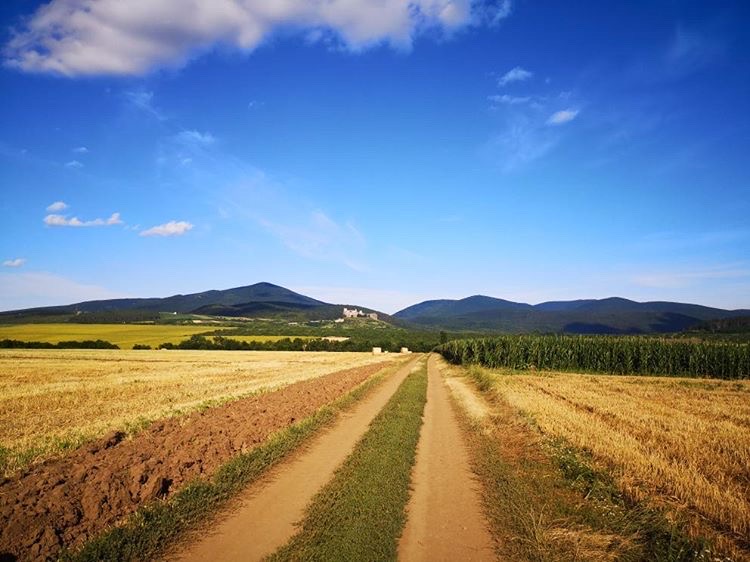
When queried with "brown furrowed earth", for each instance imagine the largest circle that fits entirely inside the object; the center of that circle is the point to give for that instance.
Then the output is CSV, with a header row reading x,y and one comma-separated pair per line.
x,y
56,400
64,502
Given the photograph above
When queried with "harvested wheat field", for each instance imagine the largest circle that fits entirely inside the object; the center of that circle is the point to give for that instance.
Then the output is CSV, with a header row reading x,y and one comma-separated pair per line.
x,y
683,444
62,503
54,400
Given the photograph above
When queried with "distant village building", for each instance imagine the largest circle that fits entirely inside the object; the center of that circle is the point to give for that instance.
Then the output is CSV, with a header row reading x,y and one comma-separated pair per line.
x,y
377,350
356,313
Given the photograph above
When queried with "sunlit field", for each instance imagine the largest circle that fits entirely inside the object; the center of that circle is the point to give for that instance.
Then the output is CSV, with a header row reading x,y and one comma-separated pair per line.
x,y
683,443
52,399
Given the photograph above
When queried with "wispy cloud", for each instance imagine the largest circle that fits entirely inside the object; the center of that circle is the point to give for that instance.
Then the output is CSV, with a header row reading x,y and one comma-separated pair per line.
x,y
492,13
17,262
143,100
74,165
88,37
57,206
171,228
562,116
62,220
80,150
321,238
195,138
507,99
516,74
691,50
520,143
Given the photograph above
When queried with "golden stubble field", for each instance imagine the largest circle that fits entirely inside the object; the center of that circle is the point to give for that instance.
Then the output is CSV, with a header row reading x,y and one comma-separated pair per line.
x,y
683,443
55,399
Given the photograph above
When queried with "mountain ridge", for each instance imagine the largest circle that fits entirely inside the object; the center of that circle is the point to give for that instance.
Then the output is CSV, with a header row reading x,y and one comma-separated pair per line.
x,y
609,315
612,315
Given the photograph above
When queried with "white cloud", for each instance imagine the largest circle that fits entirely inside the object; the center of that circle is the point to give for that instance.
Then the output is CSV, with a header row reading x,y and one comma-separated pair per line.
x,y
195,138
172,228
492,13
81,150
28,289
509,100
62,220
57,206
85,37
74,165
17,262
563,116
516,74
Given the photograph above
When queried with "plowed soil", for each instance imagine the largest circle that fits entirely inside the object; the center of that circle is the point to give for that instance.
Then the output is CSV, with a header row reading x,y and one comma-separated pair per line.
x,y
64,502
272,508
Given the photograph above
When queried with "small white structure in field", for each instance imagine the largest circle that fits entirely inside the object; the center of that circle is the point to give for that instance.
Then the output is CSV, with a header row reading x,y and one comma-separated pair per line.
x,y
339,320
405,350
377,350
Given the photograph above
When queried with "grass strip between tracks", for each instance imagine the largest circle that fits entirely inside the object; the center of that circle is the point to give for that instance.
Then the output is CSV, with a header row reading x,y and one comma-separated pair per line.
x,y
547,502
151,529
360,514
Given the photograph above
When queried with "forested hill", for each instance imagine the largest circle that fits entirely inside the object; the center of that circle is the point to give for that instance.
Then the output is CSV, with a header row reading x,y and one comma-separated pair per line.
x,y
608,316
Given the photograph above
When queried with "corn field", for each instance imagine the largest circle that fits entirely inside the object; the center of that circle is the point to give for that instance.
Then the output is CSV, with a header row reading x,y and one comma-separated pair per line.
x,y
618,355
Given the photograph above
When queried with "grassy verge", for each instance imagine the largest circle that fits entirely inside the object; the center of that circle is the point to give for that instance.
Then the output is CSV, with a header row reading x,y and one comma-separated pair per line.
x,y
152,528
547,501
360,514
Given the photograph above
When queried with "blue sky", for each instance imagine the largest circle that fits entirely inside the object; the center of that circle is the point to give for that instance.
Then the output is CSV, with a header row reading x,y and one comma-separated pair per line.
x,y
376,153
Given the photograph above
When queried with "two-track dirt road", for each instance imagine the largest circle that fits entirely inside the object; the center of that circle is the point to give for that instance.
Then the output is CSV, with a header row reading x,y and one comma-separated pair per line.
x,y
445,519
267,513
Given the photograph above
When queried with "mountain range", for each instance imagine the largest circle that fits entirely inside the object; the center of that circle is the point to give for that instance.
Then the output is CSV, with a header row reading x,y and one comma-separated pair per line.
x,y
477,313
612,315
258,300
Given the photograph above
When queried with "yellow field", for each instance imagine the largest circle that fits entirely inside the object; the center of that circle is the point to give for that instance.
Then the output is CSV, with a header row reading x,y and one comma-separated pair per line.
x,y
683,443
50,397
124,335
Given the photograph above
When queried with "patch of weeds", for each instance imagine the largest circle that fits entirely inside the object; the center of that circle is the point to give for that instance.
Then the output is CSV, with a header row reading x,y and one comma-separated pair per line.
x,y
134,427
481,377
660,538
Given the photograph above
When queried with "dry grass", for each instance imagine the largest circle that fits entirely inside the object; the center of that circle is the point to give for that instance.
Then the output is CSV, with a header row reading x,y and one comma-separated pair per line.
x,y
534,513
51,400
679,443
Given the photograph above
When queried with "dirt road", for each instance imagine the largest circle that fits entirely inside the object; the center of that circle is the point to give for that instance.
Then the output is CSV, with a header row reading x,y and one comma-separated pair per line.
x,y
445,520
266,516
64,502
